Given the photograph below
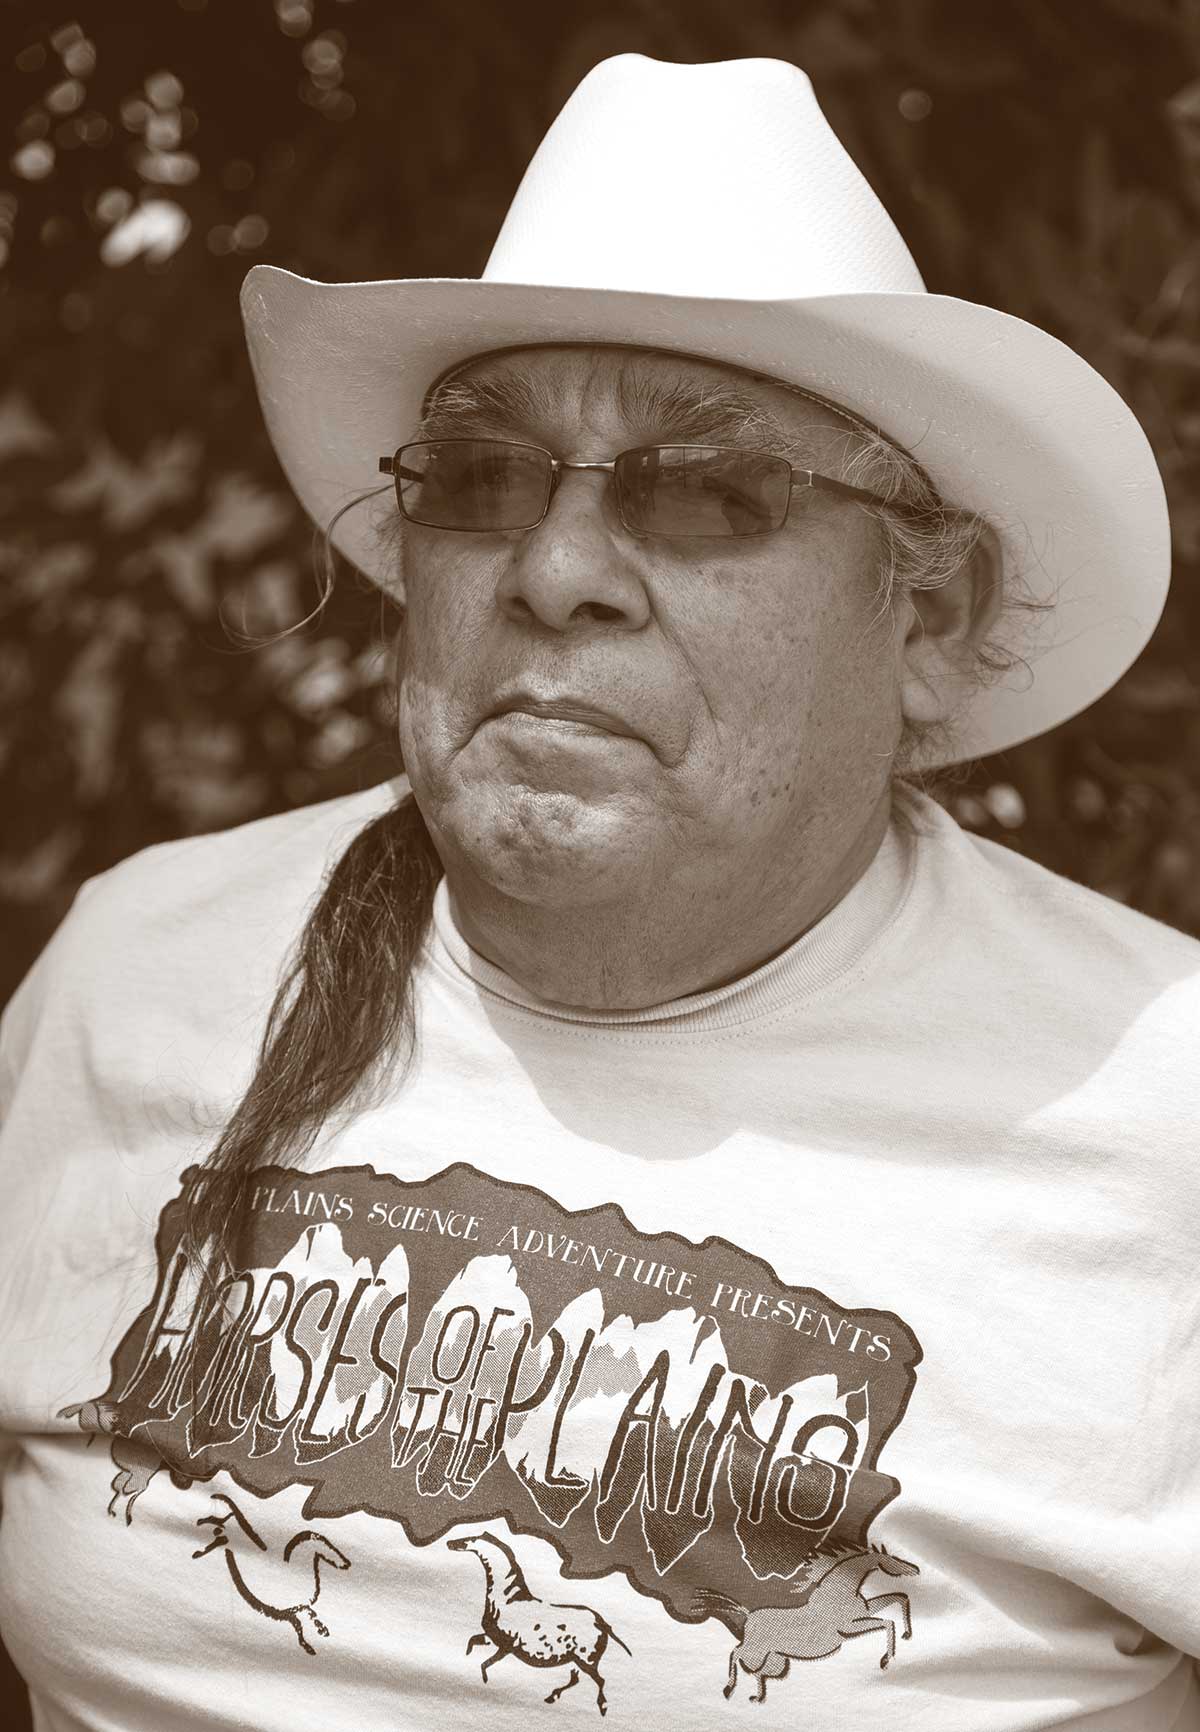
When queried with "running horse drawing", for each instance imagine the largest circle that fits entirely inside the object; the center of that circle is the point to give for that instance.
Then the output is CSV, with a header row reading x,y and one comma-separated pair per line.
x,y
314,1548
833,1608
539,1632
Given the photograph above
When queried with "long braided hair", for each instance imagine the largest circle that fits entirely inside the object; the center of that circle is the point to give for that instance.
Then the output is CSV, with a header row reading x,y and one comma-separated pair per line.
x,y
342,1015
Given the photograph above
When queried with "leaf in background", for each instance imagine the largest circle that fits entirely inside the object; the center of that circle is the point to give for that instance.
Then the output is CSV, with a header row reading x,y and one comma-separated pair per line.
x,y
1183,113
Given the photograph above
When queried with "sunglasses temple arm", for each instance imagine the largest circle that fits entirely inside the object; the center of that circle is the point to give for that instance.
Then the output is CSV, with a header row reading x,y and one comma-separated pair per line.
x,y
389,466
826,484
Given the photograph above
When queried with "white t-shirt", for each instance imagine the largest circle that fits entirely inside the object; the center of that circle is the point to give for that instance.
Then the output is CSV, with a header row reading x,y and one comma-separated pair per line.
x,y
845,1315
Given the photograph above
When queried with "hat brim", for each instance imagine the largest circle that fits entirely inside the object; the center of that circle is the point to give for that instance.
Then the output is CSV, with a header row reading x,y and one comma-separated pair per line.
x,y
1007,420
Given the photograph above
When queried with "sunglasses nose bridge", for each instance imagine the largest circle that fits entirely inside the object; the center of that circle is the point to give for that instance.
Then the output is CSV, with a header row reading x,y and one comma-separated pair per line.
x,y
558,464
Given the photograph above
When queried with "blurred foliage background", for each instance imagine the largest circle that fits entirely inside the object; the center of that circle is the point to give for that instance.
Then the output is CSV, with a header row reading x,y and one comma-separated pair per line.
x,y
1039,155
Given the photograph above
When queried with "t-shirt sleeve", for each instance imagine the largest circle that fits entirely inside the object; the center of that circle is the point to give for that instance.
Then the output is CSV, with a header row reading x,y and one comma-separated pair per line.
x,y
20,1021
49,973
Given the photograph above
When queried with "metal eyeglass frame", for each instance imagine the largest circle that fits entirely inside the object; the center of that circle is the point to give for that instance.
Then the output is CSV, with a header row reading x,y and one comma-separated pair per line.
x,y
809,478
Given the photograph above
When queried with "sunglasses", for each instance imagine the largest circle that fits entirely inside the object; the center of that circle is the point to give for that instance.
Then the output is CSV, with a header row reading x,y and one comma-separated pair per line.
x,y
485,485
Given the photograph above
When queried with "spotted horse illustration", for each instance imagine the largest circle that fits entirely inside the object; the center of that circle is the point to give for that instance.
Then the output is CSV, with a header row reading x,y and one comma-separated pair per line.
x,y
135,1460
324,1552
537,1631
833,1608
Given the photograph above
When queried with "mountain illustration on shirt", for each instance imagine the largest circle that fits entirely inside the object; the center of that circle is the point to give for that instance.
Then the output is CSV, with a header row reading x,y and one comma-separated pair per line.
x,y
460,1352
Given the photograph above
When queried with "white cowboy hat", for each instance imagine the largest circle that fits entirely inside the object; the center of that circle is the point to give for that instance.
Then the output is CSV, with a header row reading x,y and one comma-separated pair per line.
x,y
711,210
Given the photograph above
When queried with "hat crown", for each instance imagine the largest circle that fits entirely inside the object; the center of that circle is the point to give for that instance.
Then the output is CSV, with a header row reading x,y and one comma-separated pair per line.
x,y
721,180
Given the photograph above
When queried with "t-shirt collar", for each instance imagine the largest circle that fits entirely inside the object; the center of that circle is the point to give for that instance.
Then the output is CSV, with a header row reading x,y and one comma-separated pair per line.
x,y
817,959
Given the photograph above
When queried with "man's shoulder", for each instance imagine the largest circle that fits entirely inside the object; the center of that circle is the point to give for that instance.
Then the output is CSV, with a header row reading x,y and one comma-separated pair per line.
x,y
200,909
1108,928
1046,920
274,859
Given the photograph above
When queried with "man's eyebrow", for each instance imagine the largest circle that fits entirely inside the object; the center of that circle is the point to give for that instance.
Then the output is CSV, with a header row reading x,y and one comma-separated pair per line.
x,y
700,410
481,404
697,411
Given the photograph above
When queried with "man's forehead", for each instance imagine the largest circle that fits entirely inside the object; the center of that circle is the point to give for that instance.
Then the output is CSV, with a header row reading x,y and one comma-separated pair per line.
x,y
536,385
601,366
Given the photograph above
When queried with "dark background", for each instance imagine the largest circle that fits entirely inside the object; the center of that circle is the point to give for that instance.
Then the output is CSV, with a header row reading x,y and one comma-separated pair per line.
x,y
1039,155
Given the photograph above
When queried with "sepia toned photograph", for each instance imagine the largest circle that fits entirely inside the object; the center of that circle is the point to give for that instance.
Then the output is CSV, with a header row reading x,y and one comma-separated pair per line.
x,y
600,880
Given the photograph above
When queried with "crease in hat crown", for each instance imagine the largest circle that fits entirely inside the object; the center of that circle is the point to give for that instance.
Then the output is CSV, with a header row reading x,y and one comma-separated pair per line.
x,y
722,179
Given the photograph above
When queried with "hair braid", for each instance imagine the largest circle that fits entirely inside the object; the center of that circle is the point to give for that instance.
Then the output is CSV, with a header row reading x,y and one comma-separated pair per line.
x,y
343,1012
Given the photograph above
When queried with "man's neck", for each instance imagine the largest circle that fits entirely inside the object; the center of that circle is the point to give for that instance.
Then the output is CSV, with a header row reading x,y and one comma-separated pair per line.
x,y
678,938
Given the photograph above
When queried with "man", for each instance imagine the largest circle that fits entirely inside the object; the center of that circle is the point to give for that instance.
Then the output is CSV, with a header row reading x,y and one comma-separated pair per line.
x,y
697,1224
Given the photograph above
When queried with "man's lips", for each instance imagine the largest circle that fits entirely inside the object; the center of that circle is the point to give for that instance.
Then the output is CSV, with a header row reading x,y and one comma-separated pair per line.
x,y
567,710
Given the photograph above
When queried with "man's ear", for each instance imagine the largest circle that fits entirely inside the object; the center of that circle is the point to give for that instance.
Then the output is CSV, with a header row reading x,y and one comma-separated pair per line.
x,y
943,629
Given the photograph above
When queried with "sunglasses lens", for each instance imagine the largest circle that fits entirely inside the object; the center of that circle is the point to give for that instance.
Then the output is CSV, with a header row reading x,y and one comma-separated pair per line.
x,y
476,484
701,490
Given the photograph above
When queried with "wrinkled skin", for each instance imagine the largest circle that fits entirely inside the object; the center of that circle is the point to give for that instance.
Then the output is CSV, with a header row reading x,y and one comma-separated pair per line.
x,y
758,691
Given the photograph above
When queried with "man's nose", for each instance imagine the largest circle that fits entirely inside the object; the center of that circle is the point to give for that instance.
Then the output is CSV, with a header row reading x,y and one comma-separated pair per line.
x,y
579,567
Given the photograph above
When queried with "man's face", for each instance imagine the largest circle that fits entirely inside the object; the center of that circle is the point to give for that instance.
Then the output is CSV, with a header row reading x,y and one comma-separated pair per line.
x,y
585,713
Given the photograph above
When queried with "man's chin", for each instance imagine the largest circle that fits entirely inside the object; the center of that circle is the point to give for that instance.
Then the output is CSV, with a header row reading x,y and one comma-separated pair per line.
x,y
551,846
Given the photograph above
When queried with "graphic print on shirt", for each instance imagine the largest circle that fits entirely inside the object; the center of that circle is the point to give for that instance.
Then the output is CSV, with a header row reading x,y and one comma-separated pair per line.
x,y
318,1549
539,1632
459,1351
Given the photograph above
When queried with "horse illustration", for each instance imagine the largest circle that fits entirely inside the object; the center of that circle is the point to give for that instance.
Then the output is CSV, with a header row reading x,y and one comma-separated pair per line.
x,y
135,1460
536,1631
324,1552
832,1609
